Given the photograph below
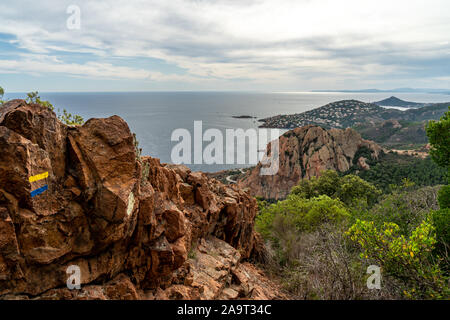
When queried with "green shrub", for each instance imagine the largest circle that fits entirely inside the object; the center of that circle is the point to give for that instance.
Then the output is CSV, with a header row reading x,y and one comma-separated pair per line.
x,y
33,97
393,168
438,133
444,197
262,203
70,119
2,92
405,207
409,260
326,184
350,189
67,118
303,214
441,221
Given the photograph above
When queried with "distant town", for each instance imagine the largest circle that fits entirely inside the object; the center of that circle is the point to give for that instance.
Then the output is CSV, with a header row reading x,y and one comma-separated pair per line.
x,y
340,114
349,113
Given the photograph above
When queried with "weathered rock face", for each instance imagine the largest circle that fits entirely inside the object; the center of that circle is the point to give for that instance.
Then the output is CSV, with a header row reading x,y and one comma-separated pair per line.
x,y
136,228
305,152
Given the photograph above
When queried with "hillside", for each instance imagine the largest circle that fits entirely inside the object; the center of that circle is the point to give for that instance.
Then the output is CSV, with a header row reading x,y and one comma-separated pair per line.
x,y
307,151
348,113
340,114
391,168
395,134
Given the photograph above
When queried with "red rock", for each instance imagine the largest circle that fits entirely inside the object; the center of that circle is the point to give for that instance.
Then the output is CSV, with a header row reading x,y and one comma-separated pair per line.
x,y
128,222
304,153
40,126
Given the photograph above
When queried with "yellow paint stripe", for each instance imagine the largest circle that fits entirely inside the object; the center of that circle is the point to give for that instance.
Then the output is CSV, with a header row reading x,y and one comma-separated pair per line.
x,y
39,177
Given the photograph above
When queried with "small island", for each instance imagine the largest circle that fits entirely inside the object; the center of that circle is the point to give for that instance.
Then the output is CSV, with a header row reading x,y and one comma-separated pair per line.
x,y
244,117
396,102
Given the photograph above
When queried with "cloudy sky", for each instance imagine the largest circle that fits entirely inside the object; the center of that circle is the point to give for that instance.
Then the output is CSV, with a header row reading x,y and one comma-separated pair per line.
x,y
263,45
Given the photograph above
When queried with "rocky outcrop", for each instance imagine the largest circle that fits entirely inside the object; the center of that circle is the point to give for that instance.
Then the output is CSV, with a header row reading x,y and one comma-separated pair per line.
x,y
304,153
136,228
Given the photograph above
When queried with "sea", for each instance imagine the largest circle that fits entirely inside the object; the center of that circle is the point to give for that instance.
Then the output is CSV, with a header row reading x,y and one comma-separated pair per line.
x,y
153,116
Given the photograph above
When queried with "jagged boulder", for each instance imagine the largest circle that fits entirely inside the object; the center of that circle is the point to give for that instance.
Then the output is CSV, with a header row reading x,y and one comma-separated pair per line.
x,y
304,153
128,222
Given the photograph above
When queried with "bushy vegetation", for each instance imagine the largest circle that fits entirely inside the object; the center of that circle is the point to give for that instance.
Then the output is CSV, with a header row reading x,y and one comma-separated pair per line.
x,y
309,252
321,246
2,93
395,134
299,214
350,189
66,117
330,229
441,220
409,259
392,168
439,135
405,206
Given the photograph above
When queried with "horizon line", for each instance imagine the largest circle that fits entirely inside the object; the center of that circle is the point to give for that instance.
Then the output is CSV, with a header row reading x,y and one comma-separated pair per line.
x,y
314,91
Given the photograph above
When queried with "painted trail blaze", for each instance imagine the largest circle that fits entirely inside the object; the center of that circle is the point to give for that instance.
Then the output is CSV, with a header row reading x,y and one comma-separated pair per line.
x,y
38,177
39,191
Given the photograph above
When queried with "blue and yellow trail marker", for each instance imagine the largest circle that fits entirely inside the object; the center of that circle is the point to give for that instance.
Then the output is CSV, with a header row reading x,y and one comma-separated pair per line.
x,y
37,178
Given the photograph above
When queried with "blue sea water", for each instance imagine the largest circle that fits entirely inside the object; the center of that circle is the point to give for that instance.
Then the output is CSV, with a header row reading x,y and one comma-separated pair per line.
x,y
153,116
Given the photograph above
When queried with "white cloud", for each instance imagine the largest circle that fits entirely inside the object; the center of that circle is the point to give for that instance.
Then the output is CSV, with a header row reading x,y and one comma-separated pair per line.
x,y
262,41
43,64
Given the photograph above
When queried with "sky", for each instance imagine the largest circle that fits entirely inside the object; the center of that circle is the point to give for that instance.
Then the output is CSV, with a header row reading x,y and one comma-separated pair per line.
x,y
218,45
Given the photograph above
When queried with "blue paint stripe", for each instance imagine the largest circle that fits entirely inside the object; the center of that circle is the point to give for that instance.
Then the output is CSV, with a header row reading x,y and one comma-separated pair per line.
x,y
39,191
